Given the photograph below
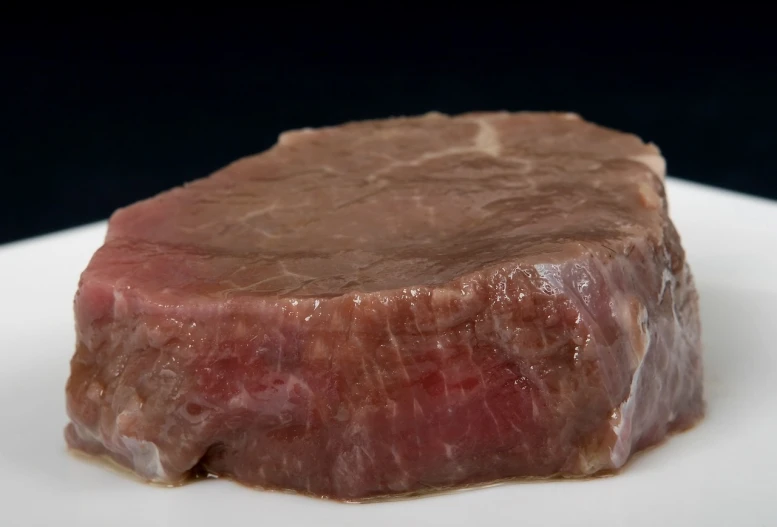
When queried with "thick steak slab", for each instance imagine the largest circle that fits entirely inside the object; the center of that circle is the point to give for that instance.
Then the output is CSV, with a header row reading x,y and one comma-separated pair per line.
x,y
393,306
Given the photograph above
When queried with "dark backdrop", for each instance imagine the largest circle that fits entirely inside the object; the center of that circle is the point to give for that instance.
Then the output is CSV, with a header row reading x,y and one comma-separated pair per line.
x,y
100,112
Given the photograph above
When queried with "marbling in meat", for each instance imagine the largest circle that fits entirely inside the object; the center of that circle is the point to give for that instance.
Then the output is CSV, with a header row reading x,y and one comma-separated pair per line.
x,y
392,306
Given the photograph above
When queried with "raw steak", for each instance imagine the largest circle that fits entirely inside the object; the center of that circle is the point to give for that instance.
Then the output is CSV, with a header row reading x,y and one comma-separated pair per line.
x,y
393,306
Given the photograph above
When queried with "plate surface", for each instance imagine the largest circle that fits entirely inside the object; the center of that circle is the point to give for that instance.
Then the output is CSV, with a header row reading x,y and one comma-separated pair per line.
x,y
720,473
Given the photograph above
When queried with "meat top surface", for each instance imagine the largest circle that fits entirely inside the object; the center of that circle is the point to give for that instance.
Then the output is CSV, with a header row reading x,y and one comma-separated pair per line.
x,y
387,204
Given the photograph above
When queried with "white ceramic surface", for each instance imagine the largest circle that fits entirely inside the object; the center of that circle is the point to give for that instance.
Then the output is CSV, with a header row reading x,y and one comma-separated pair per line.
x,y
721,473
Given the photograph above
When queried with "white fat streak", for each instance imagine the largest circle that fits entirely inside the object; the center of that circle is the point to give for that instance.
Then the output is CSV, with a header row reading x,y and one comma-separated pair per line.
x,y
286,272
145,454
258,212
396,348
145,458
119,301
398,461
291,136
445,383
667,278
487,140
493,417
624,416
622,426
655,162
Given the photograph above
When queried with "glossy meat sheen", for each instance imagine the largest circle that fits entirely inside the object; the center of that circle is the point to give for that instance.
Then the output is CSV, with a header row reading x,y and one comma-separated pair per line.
x,y
394,306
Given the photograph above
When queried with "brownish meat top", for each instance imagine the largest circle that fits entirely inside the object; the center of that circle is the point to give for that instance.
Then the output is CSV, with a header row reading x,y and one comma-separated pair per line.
x,y
386,204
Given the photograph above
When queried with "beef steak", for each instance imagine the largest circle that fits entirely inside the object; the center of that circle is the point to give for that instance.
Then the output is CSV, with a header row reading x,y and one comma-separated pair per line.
x,y
393,306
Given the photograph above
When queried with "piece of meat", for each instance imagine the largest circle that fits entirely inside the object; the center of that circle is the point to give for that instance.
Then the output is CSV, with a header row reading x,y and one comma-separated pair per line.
x,y
391,307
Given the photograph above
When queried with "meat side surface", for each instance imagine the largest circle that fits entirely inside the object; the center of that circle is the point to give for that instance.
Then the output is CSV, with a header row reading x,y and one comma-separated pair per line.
x,y
391,307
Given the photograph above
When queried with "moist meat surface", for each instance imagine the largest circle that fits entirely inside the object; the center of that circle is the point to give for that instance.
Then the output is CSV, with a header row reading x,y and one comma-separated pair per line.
x,y
393,306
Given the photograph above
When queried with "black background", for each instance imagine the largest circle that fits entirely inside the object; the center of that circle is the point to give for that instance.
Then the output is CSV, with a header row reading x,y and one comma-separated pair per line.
x,y
101,111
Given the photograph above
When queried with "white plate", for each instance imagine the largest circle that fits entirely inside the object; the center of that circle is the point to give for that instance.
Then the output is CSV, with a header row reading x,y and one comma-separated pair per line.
x,y
722,472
